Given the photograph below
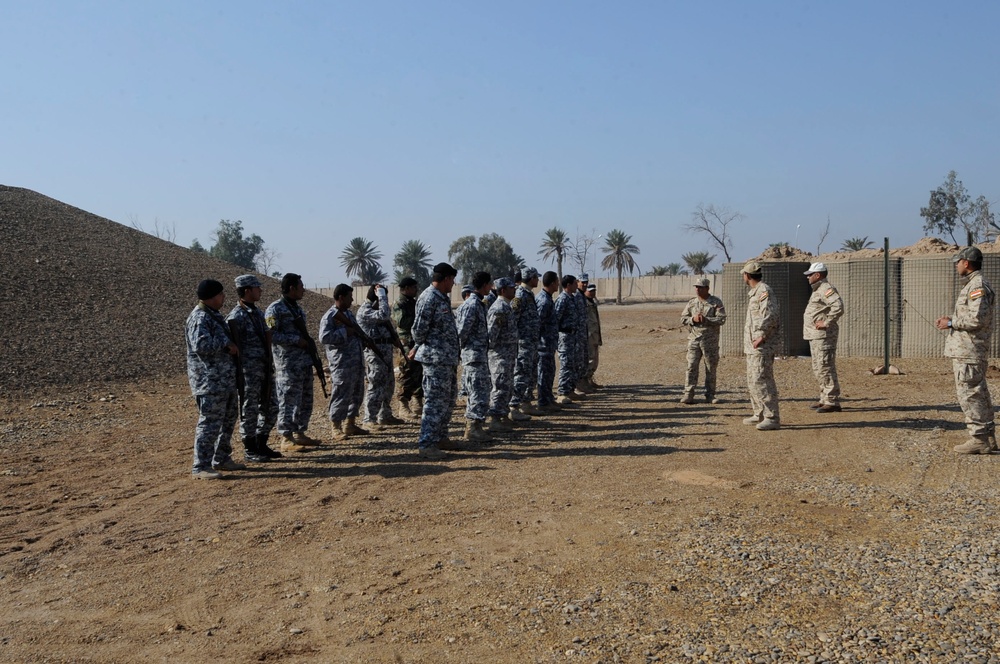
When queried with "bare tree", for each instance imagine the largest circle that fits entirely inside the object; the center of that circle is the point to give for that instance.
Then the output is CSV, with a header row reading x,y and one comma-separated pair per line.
x,y
160,228
715,222
822,236
267,260
580,249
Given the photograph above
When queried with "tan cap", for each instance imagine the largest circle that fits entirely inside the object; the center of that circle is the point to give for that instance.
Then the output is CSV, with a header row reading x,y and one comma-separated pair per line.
x,y
701,283
752,267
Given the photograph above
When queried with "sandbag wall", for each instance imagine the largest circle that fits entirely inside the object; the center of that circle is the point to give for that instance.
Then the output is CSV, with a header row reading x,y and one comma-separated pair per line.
x,y
862,285
791,290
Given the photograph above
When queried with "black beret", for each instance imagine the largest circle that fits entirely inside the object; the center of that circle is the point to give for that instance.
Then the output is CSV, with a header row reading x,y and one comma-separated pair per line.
x,y
209,288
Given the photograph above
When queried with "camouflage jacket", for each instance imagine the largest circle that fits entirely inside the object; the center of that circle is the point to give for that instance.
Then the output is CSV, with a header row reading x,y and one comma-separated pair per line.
x,y
762,320
343,350
524,306
434,331
594,322
972,322
824,304
714,313
502,326
375,320
564,312
210,367
280,317
548,330
402,315
251,334
473,333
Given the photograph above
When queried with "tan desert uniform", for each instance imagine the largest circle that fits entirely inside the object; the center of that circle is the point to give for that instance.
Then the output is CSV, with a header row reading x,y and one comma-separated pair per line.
x,y
703,341
594,338
968,347
762,321
825,304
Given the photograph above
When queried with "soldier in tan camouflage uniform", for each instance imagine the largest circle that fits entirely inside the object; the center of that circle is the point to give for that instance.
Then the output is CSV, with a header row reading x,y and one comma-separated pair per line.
x,y
969,330
821,330
704,314
760,341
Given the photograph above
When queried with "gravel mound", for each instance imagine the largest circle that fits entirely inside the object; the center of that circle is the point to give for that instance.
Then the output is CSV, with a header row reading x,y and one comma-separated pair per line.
x,y
89,301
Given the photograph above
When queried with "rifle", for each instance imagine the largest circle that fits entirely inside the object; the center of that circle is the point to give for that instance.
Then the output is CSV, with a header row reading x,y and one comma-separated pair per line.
x,y
241,383
366,341
300,326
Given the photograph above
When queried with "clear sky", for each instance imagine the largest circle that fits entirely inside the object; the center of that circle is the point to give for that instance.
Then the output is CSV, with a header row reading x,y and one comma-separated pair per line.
x,y
314,122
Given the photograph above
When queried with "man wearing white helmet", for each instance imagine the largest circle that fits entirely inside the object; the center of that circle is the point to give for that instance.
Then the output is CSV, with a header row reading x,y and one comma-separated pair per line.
x,y
821,330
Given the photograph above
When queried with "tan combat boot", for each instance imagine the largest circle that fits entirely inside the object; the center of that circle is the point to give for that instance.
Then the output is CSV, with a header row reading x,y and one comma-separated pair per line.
x,y
975,445
351,427
302,438
518,415
337,429
498,425
474,432
288,444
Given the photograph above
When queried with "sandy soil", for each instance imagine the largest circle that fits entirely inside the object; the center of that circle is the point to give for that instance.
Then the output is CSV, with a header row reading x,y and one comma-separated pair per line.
x,y
579,536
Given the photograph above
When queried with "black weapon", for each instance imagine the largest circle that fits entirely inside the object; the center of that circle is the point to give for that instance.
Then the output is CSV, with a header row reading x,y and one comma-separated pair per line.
x,y
300,326
366,341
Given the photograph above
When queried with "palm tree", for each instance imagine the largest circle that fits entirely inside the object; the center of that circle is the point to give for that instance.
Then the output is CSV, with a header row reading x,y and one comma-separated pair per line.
x,y
413,260
658,271
856,244
555,244
698,261
360,257
619,249
371,274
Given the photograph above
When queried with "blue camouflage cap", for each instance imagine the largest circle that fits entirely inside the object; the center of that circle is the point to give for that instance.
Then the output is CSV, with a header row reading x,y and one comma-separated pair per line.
x,y
584,277
467,288
503,282
247,281
529,274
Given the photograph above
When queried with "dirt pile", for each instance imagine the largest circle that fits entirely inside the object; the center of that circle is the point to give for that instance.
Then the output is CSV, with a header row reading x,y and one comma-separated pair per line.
x,y
87,300
783,253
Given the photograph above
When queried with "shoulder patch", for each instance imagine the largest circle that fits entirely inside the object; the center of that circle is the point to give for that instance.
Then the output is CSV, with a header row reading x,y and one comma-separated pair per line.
x,y
515,304
975,294
829,292
763,296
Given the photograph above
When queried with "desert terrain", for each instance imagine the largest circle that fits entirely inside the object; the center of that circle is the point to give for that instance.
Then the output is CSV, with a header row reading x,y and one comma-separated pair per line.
x,y
632,529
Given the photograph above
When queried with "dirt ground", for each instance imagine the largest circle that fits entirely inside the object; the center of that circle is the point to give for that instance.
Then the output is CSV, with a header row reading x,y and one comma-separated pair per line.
x,y
617,532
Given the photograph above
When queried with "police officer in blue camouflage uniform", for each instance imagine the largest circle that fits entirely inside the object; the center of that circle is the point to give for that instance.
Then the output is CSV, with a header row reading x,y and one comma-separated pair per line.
x,y
375,319
435,338
211,367
473,335
548,341
526,365
463,388
502,324
292,365
565,313
344,355
260,404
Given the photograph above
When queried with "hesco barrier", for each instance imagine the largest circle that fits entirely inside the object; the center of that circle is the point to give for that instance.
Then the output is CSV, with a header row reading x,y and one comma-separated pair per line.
x,y
921,289
862,328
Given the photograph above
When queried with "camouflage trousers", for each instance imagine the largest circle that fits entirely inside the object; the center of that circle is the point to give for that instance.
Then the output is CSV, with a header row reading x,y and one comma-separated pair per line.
x,y
546,377
760,383
593,358
567,367
582,357
260,411
295,397
974,395
477,382
439,386
824,366
698,350
347,388
381,385
525,374
411,377
502,373
217,414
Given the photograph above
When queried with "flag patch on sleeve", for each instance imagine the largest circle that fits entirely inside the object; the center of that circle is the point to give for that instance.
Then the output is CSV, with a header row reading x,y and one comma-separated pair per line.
x,y
829,293
976,294
763,296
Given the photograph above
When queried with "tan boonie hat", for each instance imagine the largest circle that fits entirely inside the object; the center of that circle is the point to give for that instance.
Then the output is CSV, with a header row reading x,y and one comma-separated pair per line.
x,y
701,283
751,267
968,254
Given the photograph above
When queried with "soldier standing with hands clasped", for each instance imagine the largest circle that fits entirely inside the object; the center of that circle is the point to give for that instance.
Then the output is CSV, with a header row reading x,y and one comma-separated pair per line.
x,y
704,314
821,329
761,334
969,331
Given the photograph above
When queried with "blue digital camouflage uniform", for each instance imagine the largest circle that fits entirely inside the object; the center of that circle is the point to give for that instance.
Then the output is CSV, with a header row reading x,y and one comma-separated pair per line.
x,y
548,340
343,353
526,365
473,336
564,312
212,376
375,319
260,403
502,325
292,366
436,338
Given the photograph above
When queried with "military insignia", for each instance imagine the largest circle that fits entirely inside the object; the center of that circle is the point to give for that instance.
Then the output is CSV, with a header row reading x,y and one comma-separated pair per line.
x,y
271,321
829,293
763,296
515,304
976,294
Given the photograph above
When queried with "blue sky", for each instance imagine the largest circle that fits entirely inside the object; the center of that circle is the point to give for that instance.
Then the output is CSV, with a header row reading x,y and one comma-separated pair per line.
x,y
314,122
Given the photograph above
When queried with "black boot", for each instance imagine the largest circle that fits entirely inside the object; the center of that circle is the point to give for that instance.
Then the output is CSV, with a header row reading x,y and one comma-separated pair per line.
x,y
264,450
251,449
